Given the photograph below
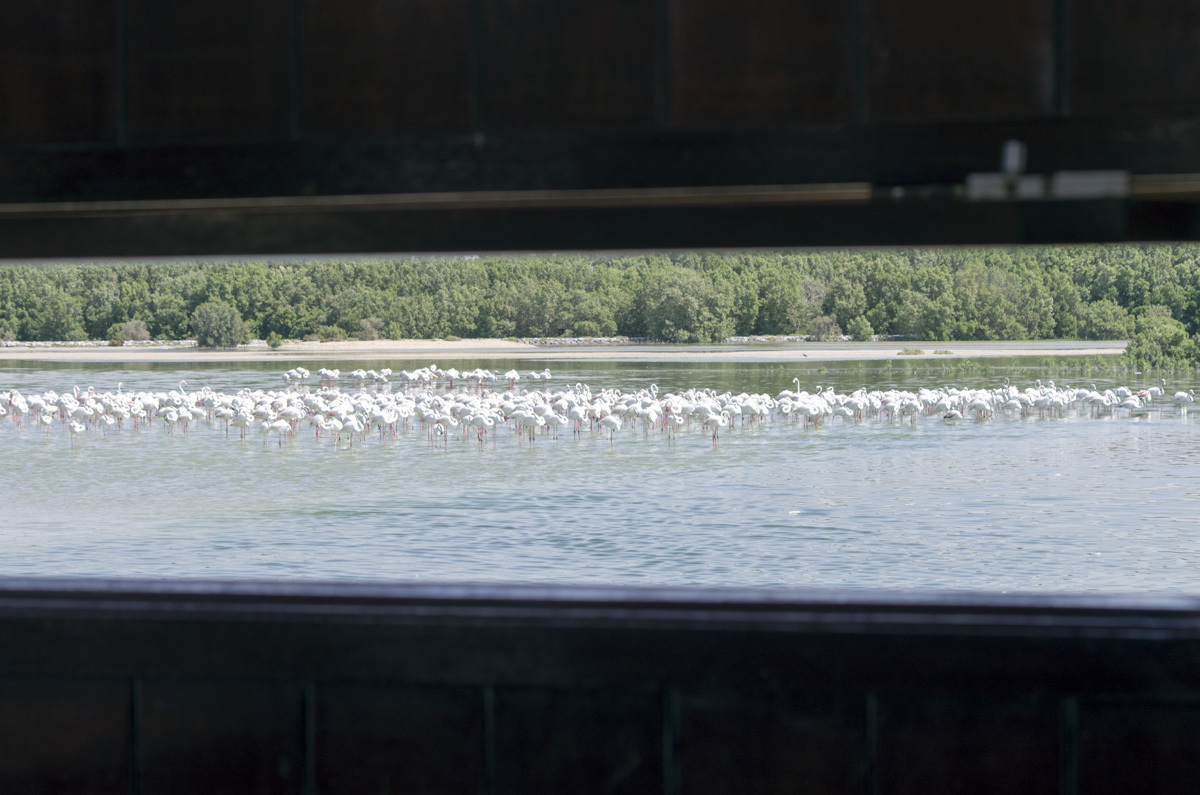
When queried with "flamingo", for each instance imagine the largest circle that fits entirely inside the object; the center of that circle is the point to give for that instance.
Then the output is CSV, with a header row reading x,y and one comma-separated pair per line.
x,y
715,421
612,424
279,428
673,423
242,421
482,423
555,421
539,406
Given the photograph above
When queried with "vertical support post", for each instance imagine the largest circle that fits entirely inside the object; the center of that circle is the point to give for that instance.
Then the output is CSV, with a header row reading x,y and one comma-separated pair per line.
x,y
672,771
488,785
122,73
662,63
1062,57
295,64
1068,755
136,759
310,738
870,763
475,67
861,53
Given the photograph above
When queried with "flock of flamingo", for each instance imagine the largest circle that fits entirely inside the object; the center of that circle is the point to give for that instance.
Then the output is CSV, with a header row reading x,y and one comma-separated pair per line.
x,y
480,404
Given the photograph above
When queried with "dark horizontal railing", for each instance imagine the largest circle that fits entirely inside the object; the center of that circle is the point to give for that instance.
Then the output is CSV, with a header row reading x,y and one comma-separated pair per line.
x,y
331,227
145,686
890,185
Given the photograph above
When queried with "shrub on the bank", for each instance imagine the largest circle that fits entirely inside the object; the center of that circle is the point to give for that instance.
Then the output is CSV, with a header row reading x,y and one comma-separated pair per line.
x,y
860,330
218,325
681,305
330,333
135,330
825,327
370,328
1160,341
1105,320
274,339
129,330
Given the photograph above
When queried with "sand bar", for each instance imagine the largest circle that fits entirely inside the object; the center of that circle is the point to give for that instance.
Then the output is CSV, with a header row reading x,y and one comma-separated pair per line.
x,y
441,351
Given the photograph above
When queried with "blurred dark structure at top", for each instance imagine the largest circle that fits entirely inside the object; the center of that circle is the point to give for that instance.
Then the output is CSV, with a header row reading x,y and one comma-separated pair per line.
x,y
314,125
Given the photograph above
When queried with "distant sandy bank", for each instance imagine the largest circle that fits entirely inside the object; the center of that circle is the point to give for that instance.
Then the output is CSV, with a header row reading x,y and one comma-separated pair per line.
x,y
441,350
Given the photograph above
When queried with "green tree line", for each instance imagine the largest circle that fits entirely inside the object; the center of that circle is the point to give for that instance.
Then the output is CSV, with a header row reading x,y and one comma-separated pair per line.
x,y
1090,292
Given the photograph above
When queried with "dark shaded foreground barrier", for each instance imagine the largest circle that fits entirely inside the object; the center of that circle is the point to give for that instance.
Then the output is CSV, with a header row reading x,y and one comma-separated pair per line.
x,y
127,686
206,127
347,224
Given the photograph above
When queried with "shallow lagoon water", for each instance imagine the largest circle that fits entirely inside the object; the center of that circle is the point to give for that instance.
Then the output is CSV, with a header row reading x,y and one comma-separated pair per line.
x,y
1079,503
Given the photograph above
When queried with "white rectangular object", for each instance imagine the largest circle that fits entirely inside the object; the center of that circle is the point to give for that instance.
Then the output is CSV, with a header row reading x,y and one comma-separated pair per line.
x,y
995,186
1089,185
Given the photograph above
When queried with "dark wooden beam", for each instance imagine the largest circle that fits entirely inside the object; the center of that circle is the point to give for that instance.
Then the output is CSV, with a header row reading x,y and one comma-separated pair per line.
x,y
119,686
726,217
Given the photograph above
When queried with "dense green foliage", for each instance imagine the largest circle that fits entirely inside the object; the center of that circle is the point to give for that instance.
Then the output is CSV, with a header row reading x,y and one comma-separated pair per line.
x,y
1093,292
1160,341
218,325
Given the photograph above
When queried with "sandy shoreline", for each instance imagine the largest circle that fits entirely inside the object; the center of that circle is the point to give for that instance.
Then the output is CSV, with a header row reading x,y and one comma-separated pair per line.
x,y
441,350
